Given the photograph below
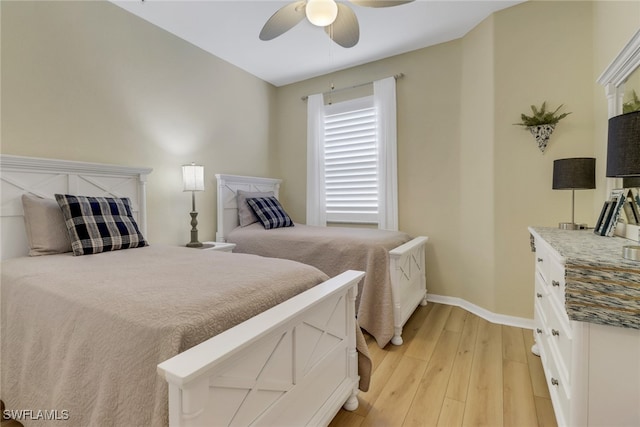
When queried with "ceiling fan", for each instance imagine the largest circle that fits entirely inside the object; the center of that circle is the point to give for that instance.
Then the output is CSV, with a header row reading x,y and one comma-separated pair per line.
x,y
338,19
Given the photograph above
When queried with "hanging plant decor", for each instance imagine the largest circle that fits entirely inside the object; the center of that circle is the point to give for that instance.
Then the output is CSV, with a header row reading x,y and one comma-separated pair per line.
x,y
542,123
542,133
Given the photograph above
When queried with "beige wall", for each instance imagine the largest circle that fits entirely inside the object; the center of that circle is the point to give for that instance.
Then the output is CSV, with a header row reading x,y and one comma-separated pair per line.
x,y
543,52
477,195
89,81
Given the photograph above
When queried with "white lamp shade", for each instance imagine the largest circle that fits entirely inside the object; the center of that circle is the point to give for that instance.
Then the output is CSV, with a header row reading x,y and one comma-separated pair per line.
x,y
193,177
321,12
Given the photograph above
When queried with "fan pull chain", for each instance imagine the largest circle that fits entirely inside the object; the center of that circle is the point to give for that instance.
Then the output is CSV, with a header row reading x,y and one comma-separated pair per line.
x,y
330,98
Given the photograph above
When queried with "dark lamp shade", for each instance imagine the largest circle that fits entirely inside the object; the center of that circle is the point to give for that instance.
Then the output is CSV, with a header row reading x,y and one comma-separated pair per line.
x,y
623,148
574,174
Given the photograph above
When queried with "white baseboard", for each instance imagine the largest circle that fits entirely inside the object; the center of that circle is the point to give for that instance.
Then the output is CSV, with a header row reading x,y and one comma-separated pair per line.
x,y
501,319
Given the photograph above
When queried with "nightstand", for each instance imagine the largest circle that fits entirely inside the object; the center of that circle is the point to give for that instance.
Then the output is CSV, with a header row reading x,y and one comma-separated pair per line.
x,y
218,246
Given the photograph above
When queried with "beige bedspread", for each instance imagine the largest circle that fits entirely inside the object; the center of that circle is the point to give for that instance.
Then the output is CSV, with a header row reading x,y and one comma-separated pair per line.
x,y
335,250
90,330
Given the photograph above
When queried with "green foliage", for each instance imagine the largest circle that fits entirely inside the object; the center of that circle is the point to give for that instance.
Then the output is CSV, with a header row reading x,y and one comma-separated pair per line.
x,y
632,105
542,116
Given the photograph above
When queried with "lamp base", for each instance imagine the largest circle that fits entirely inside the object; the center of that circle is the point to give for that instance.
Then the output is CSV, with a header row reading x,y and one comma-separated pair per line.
x,y
571,226
631,252
194,243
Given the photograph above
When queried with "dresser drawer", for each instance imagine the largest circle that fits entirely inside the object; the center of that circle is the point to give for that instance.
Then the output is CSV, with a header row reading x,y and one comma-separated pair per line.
x,y
543,299
543,260
559,391
557,283
559,337
539,332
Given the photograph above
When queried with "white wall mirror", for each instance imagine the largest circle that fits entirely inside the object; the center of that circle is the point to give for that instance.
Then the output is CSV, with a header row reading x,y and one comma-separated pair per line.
x,y
631,97
621,81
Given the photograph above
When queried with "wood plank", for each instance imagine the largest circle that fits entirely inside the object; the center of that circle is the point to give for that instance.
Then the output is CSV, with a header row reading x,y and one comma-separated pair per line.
x,y
484,402
427,403
393,403
545,413
412,327
456,320
346,419
519,404
451,414
513,347
422,346
379,380
536,371
459,380
376,353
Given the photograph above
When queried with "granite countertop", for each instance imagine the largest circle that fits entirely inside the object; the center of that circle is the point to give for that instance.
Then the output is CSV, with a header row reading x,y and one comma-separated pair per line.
x,y
588,247
601,286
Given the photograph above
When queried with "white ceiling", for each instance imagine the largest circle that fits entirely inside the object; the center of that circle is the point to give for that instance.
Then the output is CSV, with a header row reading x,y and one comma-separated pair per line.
x,y
229,30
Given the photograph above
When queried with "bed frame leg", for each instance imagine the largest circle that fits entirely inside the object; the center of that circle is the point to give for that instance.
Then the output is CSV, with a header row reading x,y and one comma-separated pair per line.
x,y
397,338
352,402
424,300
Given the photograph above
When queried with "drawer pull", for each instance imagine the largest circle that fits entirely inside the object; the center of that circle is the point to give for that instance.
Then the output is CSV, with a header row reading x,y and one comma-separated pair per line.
x,y
538,330
539,295
555,283
540,260
554,381
555,332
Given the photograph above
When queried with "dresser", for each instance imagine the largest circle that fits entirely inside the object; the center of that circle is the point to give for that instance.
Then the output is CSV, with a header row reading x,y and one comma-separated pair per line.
x,y
587,326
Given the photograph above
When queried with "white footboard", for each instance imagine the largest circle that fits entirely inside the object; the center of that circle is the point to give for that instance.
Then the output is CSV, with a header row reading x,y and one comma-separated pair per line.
x,y
293,365
408,282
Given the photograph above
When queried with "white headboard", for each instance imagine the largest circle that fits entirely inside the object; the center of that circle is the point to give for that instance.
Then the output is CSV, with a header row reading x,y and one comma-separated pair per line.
x,y
228,185
46,177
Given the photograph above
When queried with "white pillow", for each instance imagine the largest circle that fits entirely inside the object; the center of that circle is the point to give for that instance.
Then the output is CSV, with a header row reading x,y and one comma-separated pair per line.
x,y
44,222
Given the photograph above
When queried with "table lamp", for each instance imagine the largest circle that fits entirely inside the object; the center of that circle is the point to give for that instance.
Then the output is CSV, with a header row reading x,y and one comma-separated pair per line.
x,y
577,173
193,179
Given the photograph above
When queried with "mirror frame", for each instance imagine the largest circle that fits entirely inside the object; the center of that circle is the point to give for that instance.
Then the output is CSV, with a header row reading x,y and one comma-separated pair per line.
x,y
616,74
613,79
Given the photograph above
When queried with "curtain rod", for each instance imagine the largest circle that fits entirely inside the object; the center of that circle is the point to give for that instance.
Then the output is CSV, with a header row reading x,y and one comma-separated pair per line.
x,y
395,76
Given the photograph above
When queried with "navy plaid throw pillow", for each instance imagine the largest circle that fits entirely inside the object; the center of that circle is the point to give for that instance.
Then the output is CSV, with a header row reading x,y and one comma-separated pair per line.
x,y
270,212
99,224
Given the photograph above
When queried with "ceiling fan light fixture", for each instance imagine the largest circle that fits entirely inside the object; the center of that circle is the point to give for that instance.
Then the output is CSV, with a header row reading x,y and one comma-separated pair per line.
x,y
321,12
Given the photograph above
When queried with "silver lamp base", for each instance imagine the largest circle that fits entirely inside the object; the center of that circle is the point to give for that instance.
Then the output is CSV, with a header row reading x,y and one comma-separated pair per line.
x,y
631,252
571,226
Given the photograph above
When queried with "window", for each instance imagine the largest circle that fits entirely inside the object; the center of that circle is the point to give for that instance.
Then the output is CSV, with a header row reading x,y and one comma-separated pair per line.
x,y
351,159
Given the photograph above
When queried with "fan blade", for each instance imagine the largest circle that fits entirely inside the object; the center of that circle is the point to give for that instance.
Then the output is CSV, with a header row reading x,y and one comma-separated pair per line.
x,y
283,20
345,29
379,3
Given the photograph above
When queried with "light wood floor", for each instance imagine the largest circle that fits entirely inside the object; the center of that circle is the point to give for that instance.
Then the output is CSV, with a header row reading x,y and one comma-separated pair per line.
x,y
454,369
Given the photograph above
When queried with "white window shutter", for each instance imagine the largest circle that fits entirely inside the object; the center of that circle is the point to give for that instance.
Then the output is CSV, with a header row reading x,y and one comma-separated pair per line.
x,y
351,161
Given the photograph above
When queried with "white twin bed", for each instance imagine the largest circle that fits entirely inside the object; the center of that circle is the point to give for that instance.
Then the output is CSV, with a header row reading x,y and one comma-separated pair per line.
x,y
82,335
394,284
